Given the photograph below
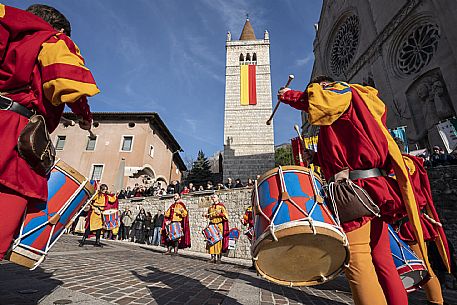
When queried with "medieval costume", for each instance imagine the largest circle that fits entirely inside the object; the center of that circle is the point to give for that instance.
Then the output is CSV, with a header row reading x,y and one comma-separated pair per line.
x,y
112,205
176,213
353,136
218,215
430,223
95,217
41,70
248,220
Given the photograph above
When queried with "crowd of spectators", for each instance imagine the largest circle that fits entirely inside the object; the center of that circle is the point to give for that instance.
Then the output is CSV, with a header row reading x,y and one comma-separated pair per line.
x,y
177,188
439,157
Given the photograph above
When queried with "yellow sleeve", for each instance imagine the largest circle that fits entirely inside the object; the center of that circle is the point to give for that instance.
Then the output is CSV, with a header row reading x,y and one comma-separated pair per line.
x,y
327,104
65,77
112,198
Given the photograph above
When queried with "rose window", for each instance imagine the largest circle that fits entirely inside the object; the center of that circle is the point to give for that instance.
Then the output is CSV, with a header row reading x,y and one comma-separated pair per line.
x,y
418,48
344,45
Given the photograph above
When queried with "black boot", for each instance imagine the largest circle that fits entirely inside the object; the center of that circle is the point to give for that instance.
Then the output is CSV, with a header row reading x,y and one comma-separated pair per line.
x,y
97,239
81,243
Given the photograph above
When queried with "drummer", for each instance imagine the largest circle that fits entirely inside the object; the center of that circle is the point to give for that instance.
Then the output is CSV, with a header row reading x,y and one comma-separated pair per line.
x,y
431,225
40,38
353,137
97,206
177,212
218,215
248,221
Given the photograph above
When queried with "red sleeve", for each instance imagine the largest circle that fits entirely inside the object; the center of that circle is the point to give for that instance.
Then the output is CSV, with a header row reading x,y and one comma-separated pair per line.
x,y
81,108
296,99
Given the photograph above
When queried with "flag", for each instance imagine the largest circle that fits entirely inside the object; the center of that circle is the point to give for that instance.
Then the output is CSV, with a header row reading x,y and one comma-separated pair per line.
x,y
297,151
248,94
400,132
448,133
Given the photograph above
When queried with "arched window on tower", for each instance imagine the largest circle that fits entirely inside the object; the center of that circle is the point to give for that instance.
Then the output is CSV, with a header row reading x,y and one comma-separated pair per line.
x,y
254,57
248,57
241,57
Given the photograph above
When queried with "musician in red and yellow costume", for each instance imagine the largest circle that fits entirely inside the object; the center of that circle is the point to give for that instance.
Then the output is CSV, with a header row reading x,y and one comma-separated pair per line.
x,y
218,215
353,136
430,222
95,218
248,220
177,212
41,71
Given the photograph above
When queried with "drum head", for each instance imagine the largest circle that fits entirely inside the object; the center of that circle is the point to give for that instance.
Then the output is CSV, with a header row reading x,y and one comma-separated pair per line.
x,y
299,257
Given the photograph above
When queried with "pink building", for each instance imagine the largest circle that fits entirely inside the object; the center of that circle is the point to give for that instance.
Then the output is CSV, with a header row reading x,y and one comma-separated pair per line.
x,y
129,148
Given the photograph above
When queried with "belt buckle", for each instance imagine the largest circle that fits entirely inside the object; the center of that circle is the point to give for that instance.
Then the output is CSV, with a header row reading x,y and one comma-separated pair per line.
x,y
8,100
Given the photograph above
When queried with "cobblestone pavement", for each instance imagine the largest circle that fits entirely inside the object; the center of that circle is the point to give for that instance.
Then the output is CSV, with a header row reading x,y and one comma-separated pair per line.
x,y
125,273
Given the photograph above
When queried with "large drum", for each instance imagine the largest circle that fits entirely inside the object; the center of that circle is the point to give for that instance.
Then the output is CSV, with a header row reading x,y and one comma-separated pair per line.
x,y
411,269
43,224
296,242
110,219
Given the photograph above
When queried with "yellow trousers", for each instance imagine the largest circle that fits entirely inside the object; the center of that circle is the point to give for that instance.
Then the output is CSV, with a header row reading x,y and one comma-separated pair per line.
x,y
217,247
361,272
432,287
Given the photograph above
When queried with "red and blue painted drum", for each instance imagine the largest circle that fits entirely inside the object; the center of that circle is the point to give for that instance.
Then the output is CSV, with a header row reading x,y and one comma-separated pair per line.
x,y
212,234
110,219
44,223
297,241
411,269
174,231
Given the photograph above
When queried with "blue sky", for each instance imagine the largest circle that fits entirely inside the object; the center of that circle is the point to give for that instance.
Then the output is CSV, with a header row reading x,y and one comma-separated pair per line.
x,y
168,56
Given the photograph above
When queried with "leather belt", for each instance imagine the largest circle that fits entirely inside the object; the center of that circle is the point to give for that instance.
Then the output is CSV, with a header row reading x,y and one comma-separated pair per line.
x,y
9,104
366,173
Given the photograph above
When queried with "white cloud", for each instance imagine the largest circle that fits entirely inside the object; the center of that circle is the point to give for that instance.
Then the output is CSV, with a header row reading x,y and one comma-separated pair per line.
x,y
304,61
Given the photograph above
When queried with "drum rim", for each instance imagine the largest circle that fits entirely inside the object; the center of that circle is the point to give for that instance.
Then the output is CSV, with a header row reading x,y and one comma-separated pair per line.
x,y
296,223
288,168
75,175
255,250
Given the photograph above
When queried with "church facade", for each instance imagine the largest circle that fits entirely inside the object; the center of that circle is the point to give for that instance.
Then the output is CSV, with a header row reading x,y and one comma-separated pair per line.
x,y
407,49
248,141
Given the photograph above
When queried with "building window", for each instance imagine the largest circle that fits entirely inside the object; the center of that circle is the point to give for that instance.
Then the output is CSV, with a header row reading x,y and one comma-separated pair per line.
x,y
60,142
91,143
151,151
127,143
241,57
418,48
248,57
254,57
97,171
344,45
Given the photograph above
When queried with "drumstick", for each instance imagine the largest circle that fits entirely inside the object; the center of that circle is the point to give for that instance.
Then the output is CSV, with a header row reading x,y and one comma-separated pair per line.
x,y
68,122
291,77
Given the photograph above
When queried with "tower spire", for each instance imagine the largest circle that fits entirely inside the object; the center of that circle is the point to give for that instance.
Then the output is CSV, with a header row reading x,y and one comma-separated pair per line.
x,y
248,32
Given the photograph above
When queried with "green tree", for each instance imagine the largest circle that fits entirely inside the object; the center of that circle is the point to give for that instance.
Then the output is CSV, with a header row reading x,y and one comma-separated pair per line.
x,y
200,172
283,155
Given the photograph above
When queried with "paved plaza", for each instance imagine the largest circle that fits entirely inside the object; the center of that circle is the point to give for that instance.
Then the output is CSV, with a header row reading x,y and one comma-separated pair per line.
x,y
126,273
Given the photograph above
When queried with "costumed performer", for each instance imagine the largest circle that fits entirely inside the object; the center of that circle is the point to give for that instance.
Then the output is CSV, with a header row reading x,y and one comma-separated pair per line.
x,y
176,213
354,143
41,71
218,215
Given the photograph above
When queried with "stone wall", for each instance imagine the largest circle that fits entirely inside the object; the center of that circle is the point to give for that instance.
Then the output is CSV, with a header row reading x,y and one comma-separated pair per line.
x,y
443,180
236,201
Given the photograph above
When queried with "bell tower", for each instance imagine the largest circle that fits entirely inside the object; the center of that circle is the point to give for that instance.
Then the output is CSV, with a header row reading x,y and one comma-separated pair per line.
x,y
248,141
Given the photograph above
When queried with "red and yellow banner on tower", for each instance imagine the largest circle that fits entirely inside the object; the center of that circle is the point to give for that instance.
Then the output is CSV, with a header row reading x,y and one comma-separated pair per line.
x,y
248,94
